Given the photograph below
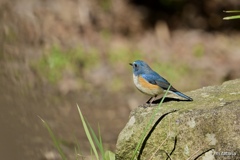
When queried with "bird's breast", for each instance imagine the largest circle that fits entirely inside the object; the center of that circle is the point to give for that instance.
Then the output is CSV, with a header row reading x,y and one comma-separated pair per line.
x,y
146,87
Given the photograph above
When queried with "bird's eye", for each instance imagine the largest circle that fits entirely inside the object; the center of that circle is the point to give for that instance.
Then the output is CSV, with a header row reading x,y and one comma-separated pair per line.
x,y
135,65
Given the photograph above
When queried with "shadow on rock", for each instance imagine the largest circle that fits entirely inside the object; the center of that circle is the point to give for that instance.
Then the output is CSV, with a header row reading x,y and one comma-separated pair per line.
x,y
169,99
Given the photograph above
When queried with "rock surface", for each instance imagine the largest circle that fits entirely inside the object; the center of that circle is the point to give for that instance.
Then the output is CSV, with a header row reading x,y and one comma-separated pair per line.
x,y
207,128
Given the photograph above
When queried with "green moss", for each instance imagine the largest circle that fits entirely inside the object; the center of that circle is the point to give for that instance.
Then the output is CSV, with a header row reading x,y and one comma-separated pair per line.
x,y
105,4
85,58
119,55
52,64
56,61
116,84
171,72
198,51
10,35
136,55
106,34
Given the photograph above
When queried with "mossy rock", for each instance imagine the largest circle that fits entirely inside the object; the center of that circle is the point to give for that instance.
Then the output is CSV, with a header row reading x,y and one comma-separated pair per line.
x,y
206,128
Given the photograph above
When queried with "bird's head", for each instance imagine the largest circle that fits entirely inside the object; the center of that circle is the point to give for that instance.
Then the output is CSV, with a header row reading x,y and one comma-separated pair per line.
x,y
140,67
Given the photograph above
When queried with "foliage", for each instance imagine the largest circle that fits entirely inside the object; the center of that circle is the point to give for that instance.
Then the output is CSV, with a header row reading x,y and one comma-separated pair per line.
x,y
232,17
94,141
56,61
55,140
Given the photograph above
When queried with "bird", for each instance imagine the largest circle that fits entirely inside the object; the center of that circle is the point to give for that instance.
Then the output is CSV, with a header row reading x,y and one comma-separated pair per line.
x,y
151,83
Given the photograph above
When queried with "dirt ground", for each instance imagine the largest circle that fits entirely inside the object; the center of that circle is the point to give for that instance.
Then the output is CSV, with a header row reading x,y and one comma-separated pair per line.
x,y
101,82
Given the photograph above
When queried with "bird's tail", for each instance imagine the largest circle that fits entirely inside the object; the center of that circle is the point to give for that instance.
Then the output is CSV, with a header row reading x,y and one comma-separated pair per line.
x,y
183,95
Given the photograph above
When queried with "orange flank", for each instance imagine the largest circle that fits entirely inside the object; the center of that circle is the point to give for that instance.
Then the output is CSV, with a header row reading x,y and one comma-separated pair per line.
x,y
146,84
145,87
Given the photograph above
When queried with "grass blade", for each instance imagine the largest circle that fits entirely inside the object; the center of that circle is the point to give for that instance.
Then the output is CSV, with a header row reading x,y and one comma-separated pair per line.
x,y
231,17
100,139
233,11
88,134
55,141
77,150
97,141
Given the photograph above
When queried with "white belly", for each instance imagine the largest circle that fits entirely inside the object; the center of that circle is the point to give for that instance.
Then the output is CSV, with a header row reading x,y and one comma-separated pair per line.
x,y
147,90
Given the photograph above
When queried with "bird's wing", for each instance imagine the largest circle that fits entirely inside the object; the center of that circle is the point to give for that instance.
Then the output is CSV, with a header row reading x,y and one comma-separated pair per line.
x,y
156,79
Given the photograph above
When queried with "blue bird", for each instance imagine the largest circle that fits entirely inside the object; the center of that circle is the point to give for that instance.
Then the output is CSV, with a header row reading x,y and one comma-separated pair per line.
x,y
150,82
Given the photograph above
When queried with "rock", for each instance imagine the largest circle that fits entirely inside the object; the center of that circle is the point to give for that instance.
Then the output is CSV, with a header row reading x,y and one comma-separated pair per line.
x,y
206,128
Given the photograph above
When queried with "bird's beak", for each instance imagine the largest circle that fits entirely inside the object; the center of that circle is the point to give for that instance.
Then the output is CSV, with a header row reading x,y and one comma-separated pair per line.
x,y
131,64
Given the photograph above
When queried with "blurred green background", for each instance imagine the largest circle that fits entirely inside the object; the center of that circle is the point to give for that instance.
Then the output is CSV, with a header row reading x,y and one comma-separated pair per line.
x,y
56,53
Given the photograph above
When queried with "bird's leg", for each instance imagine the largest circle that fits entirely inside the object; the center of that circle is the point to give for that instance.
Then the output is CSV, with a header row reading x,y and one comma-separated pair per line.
x,y
149,100
153,98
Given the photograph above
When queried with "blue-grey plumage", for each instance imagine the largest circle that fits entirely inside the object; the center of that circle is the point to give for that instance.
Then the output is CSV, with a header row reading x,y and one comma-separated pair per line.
x,y
150,82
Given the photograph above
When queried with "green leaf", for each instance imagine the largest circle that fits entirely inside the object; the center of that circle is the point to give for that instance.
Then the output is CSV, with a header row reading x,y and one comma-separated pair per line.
x,y
233,11
109,155
96,140
55,140
77,149
231,17
88,134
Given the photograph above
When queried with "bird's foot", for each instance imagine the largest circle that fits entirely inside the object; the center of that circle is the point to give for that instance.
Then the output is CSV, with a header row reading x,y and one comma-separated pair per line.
x,y
146,105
